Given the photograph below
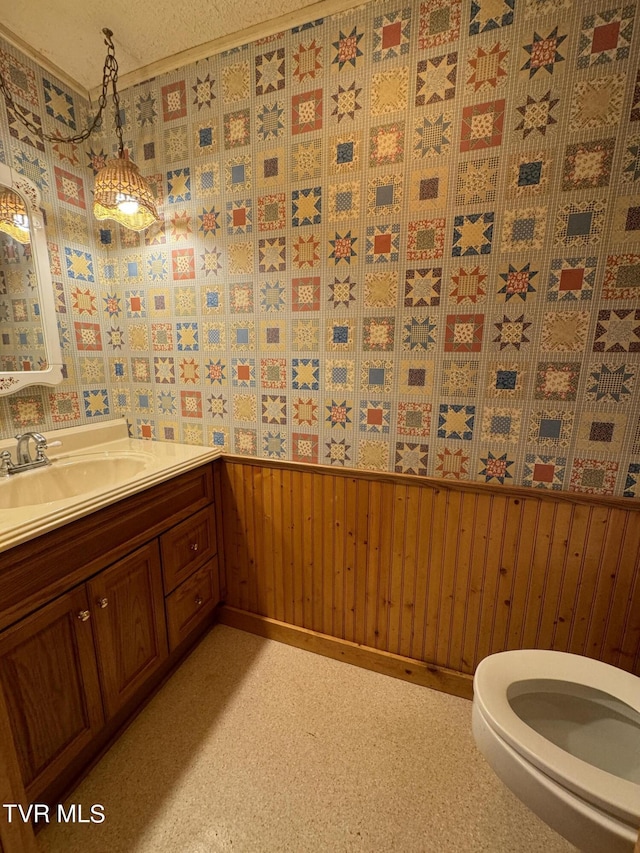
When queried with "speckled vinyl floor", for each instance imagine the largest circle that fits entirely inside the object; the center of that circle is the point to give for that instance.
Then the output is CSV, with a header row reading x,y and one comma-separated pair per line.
x,y
258,746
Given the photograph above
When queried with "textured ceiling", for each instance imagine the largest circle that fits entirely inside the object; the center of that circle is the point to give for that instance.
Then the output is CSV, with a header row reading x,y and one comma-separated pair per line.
x,y
68,33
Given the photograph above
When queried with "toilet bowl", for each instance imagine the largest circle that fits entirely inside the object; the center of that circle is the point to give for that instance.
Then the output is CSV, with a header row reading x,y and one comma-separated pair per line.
x,y
562,731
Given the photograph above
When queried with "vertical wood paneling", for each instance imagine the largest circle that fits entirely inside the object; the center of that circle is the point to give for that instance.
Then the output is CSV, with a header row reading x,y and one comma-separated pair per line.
x,y
477,566
538,573
306,529
592,561
504,593
384,595
277,543
288,586
521,584
361,564
237,538
630,646
491,575
468,505
411,531
448,578
437,524
560,529
431,572
351,514
255,579
397,567
265,517
339,489
612,554
325,566
318,523
580,523
622,606
374,523
422,572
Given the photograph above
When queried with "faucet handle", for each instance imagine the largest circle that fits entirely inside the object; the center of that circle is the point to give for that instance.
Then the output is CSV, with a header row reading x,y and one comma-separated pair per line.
x,y
6,463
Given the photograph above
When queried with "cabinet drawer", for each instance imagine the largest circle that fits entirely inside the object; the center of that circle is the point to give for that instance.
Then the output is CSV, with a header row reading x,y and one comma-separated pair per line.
x,y
191,602
187,546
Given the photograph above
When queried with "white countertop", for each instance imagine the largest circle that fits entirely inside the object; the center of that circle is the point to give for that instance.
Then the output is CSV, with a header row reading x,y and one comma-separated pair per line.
x,y
163,461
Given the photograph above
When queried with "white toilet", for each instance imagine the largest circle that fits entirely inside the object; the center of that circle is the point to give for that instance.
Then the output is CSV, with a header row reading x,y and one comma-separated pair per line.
x,y
563,732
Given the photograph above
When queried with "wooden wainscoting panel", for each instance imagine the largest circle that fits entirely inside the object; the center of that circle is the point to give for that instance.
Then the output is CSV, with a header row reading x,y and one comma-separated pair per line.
x,y
576,548
538,574
594,561
434,529
556,555
625,610
434,571
476,571
518,601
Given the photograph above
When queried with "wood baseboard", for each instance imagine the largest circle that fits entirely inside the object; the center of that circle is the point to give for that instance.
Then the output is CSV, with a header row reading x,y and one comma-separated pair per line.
x,y
408,669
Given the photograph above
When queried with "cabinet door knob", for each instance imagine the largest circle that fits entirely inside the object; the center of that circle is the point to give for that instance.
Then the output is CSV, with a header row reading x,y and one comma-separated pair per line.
x,y
194,546
103,602
198,600
84,615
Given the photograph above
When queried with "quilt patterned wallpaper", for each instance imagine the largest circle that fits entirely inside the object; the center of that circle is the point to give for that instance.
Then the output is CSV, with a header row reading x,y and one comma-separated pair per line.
x,y
404,238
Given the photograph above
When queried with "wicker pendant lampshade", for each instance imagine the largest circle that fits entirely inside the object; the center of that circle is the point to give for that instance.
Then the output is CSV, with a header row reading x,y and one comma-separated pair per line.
x,y
13,217
122,194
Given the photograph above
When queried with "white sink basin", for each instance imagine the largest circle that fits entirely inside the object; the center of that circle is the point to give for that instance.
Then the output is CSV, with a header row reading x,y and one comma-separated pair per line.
x,y
69,477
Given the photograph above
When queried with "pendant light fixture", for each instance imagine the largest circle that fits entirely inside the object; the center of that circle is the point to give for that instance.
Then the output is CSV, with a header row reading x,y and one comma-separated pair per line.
x,y
13,216
120,193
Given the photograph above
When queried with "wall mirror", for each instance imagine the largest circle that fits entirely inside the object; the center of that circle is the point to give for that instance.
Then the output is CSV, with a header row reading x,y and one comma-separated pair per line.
x,y
29,342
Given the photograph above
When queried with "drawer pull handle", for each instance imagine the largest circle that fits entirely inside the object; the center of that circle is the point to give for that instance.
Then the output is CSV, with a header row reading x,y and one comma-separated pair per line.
x,y
198,600
103,602
84,615
194,546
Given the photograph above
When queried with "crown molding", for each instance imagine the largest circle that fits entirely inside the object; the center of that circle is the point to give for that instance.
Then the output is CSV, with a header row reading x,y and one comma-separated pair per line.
x,y
321,9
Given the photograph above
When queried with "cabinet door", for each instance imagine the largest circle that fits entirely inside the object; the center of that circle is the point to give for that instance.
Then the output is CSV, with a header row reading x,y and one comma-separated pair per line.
x,y
50,683
130,629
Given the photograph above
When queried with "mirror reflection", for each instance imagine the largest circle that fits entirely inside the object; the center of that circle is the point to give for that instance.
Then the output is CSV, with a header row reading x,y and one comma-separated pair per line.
x,y
22,340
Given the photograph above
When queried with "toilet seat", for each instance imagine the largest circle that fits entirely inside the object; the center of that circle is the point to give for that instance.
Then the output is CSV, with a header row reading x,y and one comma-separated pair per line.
x,y
611,794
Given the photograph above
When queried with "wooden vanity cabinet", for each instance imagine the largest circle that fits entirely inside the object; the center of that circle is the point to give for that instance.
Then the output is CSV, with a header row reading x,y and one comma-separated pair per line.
x,y
127,608
49,677
75,669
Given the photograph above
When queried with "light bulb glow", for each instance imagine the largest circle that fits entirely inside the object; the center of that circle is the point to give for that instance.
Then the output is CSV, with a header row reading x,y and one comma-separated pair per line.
x,y
126,204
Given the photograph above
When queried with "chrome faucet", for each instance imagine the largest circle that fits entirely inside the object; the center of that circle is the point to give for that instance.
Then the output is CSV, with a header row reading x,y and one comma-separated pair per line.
x,y
25,461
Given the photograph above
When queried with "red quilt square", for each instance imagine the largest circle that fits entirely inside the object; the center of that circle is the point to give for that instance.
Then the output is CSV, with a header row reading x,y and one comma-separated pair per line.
x,y
543,473
605,37
571,279
482,125
174,100
306,112
382,243
391,34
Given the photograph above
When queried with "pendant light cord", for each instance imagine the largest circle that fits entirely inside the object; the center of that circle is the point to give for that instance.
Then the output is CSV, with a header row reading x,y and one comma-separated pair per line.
x,y
109,77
